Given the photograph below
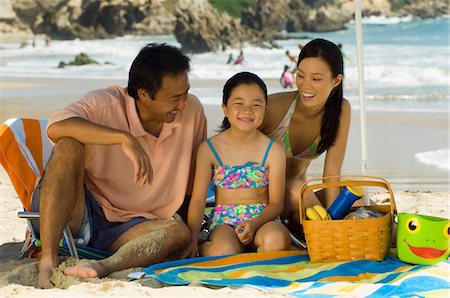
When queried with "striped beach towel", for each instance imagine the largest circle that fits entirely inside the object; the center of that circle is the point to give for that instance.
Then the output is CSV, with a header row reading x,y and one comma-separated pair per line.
x,y
291,273
24,152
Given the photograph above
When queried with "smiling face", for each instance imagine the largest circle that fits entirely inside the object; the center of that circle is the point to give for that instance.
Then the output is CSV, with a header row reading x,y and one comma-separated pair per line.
x,y
245,107
167,102
422,239
315,81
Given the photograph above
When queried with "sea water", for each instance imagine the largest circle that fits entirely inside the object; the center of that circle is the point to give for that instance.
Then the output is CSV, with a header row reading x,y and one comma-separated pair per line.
x,y
406,64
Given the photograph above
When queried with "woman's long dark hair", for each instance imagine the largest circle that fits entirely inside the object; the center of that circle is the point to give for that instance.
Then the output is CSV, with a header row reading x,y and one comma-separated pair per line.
x,y
331,54
240,78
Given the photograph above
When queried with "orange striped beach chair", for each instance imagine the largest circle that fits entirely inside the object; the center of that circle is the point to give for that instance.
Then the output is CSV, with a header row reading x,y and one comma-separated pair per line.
x,y
24,152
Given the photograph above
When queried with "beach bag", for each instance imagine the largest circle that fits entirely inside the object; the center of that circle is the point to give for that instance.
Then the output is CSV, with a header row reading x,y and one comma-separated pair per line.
x,y
348,239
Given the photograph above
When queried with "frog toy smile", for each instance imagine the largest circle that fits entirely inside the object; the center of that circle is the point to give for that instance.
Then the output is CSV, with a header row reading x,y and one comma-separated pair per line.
x,y
422,239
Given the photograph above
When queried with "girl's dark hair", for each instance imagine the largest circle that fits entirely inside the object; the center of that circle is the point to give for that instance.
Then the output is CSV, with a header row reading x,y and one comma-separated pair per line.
x,y
241,78
151,64
331,54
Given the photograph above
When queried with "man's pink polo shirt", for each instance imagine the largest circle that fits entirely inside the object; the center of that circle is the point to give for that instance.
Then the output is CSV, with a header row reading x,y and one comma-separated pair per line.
x,y
110,174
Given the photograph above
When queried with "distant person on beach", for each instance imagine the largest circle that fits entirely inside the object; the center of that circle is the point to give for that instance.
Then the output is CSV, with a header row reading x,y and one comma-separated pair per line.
x,y
287,78
344,56
291,58
230,58
248,171
239,59
310,121
48,41
300,46
121,166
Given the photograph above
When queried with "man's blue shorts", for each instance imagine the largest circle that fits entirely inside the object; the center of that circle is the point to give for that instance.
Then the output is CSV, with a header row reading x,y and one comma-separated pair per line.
x,y
96,230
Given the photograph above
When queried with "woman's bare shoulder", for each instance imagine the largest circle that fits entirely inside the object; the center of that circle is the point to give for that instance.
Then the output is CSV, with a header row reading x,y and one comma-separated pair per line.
x,y
277,106
282,96
279,103
345,103
346,107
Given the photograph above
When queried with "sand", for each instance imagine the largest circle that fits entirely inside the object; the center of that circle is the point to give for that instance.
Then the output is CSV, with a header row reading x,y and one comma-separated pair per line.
x,y
18,278
393,137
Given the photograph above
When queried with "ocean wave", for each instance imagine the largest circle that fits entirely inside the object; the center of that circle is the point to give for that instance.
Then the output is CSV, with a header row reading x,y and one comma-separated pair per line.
x,y
438,158
383,20
402,71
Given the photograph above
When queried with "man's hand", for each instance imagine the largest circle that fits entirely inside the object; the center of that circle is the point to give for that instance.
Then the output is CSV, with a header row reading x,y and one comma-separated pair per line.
x,y
246,231
143,171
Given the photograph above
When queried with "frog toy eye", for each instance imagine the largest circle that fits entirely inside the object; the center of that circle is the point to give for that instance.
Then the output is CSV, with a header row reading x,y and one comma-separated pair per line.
x,y
412,225
446,230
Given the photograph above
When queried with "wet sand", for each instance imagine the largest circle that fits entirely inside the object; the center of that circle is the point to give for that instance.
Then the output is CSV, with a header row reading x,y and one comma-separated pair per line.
x,y
393,137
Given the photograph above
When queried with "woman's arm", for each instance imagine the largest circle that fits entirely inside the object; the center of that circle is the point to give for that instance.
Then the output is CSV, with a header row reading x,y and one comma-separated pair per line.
x,y
277,106
335,154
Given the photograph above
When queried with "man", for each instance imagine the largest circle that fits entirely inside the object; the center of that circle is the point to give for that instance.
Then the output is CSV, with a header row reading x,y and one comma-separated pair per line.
x,y
122,164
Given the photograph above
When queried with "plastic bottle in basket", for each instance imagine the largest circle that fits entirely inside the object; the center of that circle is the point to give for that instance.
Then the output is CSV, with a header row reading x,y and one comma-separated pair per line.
x,y
345,200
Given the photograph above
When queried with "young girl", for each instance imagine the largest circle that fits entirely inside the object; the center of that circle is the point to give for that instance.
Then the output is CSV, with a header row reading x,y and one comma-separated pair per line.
x,y
241,161
287,78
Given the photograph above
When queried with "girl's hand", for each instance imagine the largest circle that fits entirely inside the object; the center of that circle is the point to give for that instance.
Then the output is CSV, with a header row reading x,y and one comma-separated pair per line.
x,y
245,231
191,250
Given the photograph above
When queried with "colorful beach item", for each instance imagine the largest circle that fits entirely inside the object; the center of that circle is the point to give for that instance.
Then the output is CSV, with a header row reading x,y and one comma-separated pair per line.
x,y
422,239
291,273
24,152
348,239
345,200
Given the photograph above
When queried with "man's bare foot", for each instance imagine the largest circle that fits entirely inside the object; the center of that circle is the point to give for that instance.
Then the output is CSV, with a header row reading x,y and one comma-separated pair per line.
x,y
86,269
45,273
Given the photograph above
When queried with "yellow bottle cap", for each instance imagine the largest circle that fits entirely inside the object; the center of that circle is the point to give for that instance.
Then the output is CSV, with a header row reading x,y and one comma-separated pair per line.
x,y
356,190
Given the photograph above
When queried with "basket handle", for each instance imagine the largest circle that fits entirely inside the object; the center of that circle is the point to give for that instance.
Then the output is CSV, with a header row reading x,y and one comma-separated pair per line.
x,y
356,180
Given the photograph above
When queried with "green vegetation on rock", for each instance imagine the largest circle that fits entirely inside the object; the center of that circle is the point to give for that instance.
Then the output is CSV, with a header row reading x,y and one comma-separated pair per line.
x,y
233,7
396,5
169,5
80,59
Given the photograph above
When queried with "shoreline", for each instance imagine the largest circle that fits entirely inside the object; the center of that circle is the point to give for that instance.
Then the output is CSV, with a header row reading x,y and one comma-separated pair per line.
x,y
393,137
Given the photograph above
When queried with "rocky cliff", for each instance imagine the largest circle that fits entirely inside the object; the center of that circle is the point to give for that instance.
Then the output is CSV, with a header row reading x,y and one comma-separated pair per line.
x,y
89,19
195,23
331,15
200,28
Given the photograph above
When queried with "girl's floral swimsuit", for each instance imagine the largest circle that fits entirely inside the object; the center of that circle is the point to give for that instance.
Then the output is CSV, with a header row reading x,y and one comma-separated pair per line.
x,y
249,175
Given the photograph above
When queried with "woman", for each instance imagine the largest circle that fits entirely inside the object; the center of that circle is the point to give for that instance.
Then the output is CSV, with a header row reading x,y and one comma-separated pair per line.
x,y
310,121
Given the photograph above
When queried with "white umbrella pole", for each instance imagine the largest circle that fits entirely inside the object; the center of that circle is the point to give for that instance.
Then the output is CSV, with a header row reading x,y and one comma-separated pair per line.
x,y
362,100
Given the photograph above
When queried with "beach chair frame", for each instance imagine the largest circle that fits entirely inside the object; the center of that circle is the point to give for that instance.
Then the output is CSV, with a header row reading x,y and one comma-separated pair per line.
x,y
24,152
32,241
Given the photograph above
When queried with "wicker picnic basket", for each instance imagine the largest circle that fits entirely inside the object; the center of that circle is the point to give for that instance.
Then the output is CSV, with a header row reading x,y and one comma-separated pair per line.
x,y
348,239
